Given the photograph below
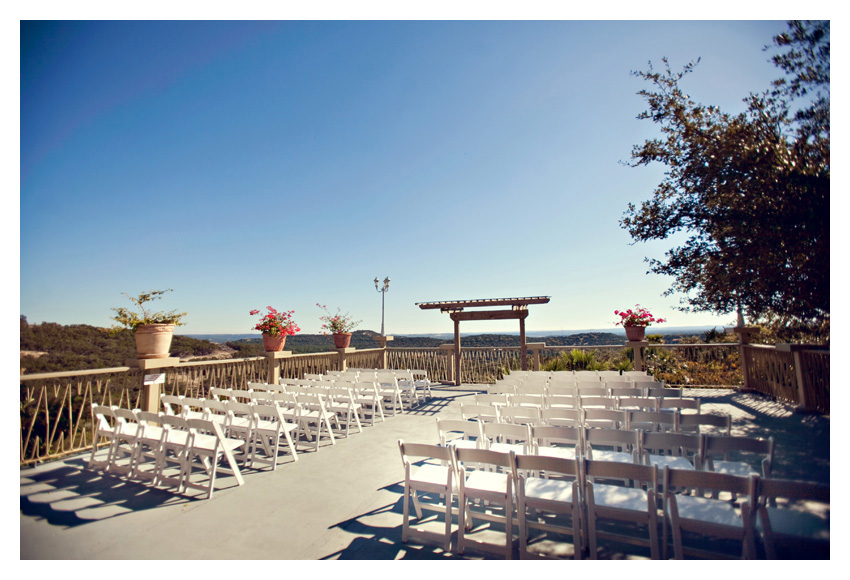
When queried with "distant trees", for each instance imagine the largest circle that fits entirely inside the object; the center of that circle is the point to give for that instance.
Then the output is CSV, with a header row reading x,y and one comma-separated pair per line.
x,y
752,189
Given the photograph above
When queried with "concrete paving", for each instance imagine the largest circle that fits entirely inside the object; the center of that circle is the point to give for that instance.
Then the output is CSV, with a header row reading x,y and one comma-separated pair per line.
x,y
342,502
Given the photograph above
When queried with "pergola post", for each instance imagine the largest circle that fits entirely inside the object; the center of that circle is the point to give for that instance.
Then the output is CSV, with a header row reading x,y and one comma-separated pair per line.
x,y
523,347
457,351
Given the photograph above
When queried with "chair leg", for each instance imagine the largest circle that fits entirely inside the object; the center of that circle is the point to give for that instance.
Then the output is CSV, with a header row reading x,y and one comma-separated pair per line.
x,y
406,521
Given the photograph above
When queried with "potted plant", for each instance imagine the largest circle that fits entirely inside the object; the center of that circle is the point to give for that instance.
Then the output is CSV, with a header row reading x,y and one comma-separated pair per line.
x,y
275,327
635,321
339,325
153,330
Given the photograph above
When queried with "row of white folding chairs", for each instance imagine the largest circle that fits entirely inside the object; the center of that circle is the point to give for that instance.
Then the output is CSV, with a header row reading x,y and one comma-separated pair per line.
x,y
143,446
418,379
637,442
588,490
391,393
397,392
317,411
597,388
669,420
579,402
576,373
241,415
344,397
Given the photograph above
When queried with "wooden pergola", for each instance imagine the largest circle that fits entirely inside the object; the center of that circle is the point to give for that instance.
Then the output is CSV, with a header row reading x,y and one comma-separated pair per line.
x,y
456,310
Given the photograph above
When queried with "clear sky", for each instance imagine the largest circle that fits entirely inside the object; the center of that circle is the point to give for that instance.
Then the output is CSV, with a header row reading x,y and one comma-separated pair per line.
x,y
285,163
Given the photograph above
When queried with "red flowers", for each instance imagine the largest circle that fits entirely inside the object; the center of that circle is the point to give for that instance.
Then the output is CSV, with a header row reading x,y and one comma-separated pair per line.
x,y
639,317
276,323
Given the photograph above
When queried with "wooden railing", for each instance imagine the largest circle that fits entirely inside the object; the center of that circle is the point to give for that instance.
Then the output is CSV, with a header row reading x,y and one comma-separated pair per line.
x,y
56,416
795,373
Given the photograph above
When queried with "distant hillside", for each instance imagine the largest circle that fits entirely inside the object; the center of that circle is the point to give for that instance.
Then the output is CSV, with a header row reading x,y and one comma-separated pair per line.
x,y
51,347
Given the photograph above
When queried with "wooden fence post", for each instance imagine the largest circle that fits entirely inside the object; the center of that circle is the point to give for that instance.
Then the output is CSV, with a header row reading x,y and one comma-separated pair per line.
x,y
150,392
637,346
535,348
449,351
744,333
273,365
383,340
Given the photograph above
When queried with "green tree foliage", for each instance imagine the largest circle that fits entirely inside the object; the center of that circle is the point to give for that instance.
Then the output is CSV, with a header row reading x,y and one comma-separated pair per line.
x,y
80,347
751,190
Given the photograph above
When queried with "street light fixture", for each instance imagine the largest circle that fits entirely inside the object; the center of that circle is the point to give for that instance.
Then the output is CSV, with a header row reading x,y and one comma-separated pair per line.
x,y
383,292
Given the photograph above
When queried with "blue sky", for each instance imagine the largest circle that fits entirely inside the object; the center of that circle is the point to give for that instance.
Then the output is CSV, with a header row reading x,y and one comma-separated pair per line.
x,y
247,164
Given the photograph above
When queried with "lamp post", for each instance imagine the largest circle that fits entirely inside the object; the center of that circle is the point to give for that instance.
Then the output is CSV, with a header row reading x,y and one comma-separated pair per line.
x,y
383,292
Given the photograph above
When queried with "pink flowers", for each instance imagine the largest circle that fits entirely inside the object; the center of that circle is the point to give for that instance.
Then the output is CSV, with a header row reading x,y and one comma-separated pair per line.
x,y
276,323
638,317
336,323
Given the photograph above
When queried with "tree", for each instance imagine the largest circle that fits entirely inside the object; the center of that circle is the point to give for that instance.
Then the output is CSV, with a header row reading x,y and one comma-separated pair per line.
x,y
751,189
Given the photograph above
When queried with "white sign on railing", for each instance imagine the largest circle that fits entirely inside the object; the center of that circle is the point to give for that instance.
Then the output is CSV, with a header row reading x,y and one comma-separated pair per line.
x,y
156,379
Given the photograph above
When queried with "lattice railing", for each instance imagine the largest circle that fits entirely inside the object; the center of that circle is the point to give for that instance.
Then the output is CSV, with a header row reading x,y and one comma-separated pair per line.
x,y
56,417
774,372
194,379
431,360
318,363
372,358
771,372
816,379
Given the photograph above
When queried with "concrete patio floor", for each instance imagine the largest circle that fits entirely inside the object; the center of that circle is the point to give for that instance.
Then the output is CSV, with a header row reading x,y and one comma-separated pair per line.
x,y
342,502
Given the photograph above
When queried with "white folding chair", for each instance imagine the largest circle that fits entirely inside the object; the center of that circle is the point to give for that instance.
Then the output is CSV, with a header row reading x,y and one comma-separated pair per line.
x,y
598,418
562,417
554,441
124,442
491,486
207,446
501,389
420,377
656,421
634,503
681,404
673,450
269,427
704,516
105,425
315,419
388,387
507,437
171,404
175,443
493,399
343,402
612,445
793,513
732,452
150,439
719,424
553,495
369,398
526,401
483,413
457,433
638,403
433,480
597,402
520,415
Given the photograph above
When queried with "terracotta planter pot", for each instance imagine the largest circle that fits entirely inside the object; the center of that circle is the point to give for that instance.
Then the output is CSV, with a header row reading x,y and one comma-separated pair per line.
x,y
635,332
153,340
342,340
273,343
